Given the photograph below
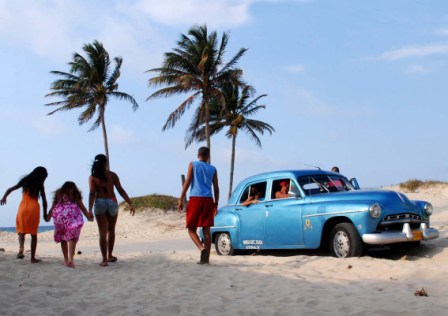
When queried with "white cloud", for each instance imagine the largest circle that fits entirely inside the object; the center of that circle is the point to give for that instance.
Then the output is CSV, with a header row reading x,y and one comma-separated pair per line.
x,y
119,134
311,105
415,51
442,31
48,125
295,69
217,13
55,29
417,69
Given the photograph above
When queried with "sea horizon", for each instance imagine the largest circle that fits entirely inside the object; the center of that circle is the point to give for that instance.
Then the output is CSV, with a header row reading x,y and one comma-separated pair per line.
x,y
41,229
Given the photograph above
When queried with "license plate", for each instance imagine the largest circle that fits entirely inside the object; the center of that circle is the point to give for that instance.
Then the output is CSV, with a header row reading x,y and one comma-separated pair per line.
x,y
417,234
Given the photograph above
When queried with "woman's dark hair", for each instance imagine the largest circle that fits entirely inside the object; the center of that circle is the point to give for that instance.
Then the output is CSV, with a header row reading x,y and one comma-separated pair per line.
x,y
33,183
99,167
70,190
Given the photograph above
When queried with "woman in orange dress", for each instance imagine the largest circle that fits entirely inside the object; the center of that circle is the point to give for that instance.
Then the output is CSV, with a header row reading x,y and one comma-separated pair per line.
x,y
27,221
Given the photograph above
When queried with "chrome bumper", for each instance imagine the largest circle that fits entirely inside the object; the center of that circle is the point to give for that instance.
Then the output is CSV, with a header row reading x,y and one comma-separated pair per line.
x,y
406,235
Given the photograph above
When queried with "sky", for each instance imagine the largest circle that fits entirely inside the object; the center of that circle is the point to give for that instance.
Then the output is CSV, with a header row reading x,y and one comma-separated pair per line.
x,y
357,84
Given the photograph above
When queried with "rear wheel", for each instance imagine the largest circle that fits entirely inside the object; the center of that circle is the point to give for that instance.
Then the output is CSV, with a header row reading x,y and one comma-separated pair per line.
x,y
345,241
223,245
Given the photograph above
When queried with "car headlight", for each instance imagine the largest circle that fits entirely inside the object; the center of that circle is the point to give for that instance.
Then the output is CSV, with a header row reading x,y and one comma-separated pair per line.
x,y
428,208
375,210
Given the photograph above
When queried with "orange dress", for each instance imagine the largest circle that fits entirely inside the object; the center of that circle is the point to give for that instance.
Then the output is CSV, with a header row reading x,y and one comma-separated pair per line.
x,y
28,216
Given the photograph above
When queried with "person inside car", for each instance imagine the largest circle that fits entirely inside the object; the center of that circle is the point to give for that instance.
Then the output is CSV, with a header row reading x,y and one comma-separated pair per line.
x,y
253,197
284,189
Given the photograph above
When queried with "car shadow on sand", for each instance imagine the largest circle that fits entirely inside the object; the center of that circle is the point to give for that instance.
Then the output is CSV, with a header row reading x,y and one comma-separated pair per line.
x,y
396,252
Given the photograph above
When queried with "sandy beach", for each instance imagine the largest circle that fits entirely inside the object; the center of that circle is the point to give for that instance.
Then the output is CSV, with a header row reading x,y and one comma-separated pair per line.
x,y
157,274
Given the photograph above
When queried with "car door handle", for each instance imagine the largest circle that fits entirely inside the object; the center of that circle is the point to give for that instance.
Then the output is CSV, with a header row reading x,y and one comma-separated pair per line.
x,y
269,205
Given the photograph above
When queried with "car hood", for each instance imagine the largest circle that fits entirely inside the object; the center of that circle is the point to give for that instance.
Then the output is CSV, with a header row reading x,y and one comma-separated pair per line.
x,y
389,200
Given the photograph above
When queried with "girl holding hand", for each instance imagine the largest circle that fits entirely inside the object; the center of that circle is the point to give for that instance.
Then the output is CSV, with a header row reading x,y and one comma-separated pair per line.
x,y
66,212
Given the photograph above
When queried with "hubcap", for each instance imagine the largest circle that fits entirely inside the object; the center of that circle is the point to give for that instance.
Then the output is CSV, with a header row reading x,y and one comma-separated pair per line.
x,y
224,244
341,244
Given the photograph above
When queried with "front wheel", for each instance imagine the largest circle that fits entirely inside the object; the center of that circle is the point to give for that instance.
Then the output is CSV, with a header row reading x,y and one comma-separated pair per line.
x,y
345,241
223,245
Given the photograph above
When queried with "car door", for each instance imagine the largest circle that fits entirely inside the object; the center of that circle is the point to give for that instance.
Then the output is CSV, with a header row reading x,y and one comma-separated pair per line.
x,y
251,227
283,218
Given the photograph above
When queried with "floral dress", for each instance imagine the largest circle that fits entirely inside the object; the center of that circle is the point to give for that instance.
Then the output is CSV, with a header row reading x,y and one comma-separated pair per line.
x,y
68,221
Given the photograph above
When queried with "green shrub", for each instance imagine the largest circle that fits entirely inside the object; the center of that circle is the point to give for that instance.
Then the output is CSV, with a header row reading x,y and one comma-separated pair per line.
x,y
153,201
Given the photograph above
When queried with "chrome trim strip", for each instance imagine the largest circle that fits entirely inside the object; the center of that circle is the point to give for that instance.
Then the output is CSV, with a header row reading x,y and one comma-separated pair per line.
x,y
343,212
223,227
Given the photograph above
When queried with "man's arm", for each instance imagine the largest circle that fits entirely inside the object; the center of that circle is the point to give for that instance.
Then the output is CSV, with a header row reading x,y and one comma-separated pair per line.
x,y
187,183
216,188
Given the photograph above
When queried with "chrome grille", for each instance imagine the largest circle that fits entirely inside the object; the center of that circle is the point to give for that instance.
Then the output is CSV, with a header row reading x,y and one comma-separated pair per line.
x,y
403,217
396,221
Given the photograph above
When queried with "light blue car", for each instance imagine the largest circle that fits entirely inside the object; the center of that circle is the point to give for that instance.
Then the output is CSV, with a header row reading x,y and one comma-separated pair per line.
x,y
322,209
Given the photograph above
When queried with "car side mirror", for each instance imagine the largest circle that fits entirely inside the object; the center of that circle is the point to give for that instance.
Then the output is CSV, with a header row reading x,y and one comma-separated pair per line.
x,y
354,183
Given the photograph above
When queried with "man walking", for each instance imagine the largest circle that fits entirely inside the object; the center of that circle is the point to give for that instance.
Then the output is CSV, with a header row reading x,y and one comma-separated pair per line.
x,y
201,207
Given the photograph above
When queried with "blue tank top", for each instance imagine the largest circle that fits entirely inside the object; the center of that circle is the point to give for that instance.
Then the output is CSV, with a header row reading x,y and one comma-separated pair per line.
x,y
201,184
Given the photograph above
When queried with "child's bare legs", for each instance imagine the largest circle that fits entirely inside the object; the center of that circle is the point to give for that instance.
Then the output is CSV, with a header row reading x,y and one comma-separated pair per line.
x,y
20,255
33,249
64,249
71,253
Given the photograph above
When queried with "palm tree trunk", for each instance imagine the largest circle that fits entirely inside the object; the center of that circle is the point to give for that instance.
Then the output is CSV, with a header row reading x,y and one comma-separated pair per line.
x,y
232,164
207,128
106,145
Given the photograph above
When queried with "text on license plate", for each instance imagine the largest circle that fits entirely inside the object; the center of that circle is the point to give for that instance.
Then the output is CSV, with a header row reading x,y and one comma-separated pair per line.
x,y
417,234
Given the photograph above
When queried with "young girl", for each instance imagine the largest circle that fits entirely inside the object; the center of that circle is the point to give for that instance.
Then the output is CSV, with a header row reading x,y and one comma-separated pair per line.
x,y
66,212
27,221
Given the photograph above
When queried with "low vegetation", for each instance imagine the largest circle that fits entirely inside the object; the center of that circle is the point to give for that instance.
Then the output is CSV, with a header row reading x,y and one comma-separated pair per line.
x,y
152,202
413,184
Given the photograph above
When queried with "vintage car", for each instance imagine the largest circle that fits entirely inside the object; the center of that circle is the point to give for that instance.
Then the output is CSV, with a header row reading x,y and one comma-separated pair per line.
x,y
322,209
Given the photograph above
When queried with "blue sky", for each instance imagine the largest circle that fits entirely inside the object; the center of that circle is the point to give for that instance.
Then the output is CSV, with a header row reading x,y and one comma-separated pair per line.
x,y
358,84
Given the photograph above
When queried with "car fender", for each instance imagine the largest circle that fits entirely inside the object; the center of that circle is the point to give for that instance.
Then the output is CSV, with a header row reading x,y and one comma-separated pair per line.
x,y
226,222
320,217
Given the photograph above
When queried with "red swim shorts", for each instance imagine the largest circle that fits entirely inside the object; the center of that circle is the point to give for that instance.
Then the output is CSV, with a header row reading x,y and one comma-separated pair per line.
x,y
200,212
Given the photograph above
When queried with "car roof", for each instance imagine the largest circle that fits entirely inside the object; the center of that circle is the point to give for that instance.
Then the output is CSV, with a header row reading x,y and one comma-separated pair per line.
x,y
287,174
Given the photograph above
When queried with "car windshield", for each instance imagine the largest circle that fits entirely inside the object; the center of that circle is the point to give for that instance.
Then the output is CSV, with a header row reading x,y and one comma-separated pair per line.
x,y
324,184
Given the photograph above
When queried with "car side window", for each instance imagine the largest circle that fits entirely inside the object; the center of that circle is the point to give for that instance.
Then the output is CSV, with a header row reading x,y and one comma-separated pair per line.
x,y
254,191
284,188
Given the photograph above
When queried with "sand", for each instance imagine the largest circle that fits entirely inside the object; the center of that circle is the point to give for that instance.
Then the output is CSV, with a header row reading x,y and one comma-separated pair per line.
x,y
157,274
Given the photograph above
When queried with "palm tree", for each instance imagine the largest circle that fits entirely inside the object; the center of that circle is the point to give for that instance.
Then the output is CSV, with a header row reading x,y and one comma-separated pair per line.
x,y
90,83
196,67
234,117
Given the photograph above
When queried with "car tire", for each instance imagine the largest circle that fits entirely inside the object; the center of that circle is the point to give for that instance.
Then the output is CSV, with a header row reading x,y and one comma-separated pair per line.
x,y
223,245
345,241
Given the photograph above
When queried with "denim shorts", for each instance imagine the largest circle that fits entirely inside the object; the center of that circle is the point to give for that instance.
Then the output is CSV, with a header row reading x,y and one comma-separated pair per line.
x,y
106,207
